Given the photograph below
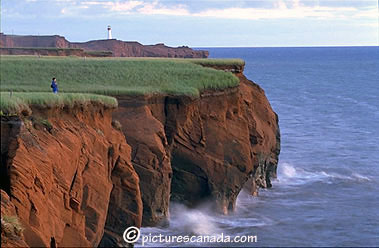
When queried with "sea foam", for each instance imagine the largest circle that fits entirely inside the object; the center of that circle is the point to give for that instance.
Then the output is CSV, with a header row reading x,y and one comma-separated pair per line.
x,y
290,175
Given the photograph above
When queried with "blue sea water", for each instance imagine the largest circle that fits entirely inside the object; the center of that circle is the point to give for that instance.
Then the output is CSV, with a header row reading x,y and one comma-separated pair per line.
x,y
327,191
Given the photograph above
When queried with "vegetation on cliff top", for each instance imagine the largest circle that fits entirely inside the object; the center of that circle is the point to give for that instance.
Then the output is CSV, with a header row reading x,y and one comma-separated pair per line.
x,y
113,76
105,76
17,102
218,62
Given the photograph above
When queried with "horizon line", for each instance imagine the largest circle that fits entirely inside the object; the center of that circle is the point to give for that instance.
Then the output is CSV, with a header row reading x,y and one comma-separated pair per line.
x,y
300,46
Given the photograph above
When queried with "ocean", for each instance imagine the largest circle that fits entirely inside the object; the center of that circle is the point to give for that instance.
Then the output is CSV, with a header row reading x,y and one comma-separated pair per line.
x,y
326,193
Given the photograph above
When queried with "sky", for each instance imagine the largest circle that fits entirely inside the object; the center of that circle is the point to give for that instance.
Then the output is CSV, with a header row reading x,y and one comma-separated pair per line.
x,y
196,23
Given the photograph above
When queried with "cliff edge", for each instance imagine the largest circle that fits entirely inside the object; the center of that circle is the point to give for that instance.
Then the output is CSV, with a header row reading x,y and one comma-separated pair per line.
x,y
80,175
66,171
192,150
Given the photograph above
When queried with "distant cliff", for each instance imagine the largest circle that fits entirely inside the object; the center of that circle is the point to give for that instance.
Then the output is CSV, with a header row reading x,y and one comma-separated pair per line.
x,y
117,48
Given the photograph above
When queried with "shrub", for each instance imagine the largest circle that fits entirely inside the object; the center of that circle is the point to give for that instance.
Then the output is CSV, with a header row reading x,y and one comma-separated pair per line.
x,y
117,125
11,227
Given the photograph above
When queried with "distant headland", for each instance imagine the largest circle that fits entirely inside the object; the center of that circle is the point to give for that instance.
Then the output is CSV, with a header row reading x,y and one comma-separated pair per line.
x,y
56,45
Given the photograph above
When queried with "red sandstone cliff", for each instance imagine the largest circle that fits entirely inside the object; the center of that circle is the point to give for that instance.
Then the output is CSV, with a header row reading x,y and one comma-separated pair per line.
x,y
117,48
134,49
33,41
67,172
82,182
205,148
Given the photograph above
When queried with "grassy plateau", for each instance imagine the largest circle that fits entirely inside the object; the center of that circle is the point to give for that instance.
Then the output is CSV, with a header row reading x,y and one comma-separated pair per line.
x,y
16,102
107,76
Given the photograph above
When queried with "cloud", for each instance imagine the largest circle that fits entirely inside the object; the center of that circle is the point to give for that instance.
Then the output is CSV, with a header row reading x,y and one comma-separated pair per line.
x,y
368,13
140,7
72,10
282,12
127,6
157,9
241,10
281,9
115,6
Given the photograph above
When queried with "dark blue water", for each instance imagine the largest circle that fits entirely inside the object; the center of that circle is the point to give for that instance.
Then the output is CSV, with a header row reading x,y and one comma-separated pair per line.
x,y
327,191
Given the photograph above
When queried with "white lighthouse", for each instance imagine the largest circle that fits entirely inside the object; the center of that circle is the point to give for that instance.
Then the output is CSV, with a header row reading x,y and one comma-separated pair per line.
x,y
109,32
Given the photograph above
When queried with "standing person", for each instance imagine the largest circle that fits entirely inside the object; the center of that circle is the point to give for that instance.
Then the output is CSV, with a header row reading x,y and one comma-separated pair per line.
x,y
54,85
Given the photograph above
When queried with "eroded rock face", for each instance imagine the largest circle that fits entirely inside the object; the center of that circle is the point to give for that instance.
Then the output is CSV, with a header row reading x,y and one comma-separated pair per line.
x,y
150,155
69,170
264,134
219,142
72,178
33,41
206,148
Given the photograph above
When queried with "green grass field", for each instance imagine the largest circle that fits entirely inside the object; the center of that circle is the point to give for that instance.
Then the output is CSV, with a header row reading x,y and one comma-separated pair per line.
x,y
19,101
218,62
113,76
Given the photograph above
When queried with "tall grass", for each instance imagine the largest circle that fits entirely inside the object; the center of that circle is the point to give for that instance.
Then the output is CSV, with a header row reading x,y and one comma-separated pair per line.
x,y
17,102
113,76
29,78
218,62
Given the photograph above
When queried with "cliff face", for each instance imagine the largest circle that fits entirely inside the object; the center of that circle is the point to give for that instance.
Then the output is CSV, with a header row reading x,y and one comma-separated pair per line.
x,y
142,121
42,52
73,178
205,149
134,49
68,171
33,41
219,142
117,48
53,52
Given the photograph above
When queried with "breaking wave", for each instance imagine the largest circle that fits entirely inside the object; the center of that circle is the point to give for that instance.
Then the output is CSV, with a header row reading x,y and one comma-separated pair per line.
x,y
288,174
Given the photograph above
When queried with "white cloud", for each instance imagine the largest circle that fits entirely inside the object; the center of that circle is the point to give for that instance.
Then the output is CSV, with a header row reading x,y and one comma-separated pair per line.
x,y
296,3
369,13
285,11
156,9
370,24
280,4
115,6
282,10
140,7
73,10
279,13
126,6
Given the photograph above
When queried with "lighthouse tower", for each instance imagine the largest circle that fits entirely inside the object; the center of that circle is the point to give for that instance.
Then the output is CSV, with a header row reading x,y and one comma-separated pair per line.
x,y
109,32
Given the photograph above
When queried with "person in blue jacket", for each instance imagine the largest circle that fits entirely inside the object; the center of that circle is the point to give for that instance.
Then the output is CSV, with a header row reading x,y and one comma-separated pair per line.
x,y
54,85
